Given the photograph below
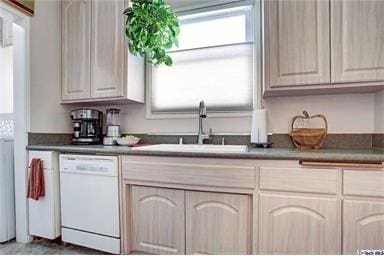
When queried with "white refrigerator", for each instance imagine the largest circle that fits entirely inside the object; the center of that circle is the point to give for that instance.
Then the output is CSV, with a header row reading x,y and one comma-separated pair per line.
x,y
7,191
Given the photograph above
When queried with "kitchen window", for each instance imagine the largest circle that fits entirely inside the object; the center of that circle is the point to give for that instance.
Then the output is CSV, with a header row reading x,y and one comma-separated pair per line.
x,y
214,62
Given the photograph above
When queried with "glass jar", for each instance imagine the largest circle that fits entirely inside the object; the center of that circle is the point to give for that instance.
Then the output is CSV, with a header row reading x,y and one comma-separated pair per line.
x,y
113,117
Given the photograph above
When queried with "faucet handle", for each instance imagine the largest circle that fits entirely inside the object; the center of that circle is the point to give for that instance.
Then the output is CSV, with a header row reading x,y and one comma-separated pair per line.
x,y
208,137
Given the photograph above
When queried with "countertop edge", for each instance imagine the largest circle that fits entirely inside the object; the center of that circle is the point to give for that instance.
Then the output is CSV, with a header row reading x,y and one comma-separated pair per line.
x,y
279,154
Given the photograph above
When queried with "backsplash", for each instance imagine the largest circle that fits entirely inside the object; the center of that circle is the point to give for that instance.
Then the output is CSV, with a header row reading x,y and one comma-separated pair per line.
x,y
6,127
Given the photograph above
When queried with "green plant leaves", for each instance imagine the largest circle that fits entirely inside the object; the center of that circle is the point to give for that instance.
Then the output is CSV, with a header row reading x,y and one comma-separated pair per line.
x,y
152,28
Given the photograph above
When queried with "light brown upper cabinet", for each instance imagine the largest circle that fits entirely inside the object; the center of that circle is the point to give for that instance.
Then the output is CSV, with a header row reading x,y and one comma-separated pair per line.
x,y
323,46
96,63
76,46
357,40
297,42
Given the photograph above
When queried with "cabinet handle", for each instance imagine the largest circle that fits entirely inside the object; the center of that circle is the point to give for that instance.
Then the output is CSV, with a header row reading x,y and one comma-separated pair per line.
x,y
341,164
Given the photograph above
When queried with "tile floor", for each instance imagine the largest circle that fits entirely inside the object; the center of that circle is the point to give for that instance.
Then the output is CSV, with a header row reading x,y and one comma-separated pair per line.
x,y
45,247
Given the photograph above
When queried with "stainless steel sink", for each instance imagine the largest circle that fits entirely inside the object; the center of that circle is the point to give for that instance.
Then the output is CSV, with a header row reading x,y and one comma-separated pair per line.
x,y
194,148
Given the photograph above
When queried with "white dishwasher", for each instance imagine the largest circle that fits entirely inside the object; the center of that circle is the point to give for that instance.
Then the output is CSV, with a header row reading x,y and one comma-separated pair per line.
x,y
90,201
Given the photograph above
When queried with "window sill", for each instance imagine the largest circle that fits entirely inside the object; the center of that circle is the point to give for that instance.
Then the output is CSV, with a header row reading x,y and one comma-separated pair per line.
x,y
190,115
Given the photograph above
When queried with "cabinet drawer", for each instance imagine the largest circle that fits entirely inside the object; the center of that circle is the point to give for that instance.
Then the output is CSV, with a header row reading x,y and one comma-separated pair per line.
x,y
299,180
189,171
364,183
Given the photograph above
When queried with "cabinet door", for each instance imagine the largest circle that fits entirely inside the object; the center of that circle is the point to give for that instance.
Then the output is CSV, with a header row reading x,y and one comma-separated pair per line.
x,y
217,223
299,225
357,40
296,42
108,49
76,32
363,226
158,220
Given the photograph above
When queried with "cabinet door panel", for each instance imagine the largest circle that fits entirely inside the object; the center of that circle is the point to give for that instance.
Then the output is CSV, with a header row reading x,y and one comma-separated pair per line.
x,y
76,32
357,40
158,220
217,223
298,225
108,49
363,226
296,42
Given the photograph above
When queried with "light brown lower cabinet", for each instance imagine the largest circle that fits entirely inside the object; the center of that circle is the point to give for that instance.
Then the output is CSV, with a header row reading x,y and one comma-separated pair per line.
x,y
158,222
172,221
217,223
363,226
226,206
298,225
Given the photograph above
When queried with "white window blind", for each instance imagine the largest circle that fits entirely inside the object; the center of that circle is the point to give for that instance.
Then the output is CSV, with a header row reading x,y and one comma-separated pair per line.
x,y
214,62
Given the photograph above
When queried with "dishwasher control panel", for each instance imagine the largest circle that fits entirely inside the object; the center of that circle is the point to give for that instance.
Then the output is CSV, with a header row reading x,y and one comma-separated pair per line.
x,y
87,164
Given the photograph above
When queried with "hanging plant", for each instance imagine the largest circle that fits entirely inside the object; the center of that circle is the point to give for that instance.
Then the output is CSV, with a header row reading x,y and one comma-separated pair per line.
x,y
152,28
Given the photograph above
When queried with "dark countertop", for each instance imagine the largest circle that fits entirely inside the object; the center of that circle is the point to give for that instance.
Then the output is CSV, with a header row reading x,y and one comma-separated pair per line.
x,y
342,155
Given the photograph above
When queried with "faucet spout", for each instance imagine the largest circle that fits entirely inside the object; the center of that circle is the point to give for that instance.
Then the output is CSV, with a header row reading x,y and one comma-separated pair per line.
x,y
202,114
202,110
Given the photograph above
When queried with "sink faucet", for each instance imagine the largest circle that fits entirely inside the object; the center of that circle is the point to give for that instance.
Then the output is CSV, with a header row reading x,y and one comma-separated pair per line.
x,y
202,114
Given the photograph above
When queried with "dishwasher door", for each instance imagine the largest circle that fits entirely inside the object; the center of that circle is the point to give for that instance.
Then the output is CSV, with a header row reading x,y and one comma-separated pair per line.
x,y
90,194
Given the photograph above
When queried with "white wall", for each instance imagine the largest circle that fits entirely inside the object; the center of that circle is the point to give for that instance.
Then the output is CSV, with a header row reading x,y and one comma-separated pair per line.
x,y
47,114
354,113
6,80
346,113
379,112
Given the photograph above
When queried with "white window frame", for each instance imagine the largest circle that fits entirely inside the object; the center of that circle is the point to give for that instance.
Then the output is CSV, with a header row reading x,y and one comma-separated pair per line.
x,y
257,54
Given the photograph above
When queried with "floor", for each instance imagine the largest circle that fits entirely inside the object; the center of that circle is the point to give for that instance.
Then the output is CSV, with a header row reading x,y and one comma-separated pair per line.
x,y
45,247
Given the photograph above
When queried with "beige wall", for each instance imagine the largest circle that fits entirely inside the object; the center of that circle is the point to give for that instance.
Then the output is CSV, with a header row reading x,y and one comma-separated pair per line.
x,y
47,115
355,113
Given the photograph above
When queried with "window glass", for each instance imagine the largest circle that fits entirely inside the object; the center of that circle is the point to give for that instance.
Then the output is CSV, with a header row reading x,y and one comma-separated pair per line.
x,y
227,26
214,62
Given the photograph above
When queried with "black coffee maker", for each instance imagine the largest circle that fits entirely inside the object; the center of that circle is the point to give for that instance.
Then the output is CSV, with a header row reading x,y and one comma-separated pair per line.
x,y
87,126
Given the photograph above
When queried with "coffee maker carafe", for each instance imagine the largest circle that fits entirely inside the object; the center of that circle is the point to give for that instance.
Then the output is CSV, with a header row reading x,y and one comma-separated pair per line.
x,y
113,126
87,126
